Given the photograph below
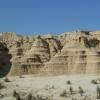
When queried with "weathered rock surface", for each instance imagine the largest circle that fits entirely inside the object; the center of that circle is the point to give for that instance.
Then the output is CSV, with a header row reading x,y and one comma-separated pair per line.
x,y
5,57
69,53
80,55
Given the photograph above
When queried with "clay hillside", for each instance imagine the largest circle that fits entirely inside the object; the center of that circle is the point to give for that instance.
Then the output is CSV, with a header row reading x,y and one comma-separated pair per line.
x,y
75,52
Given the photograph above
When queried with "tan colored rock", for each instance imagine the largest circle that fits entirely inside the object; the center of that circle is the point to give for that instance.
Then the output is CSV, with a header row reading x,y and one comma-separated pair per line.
x,y
79,56
74,52
54,45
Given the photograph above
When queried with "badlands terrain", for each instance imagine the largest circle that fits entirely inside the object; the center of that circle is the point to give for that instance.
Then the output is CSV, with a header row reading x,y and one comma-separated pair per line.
x,y
50,67
63,87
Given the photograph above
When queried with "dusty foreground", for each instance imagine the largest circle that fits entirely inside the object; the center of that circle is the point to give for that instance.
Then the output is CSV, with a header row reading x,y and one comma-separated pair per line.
x,y
63,87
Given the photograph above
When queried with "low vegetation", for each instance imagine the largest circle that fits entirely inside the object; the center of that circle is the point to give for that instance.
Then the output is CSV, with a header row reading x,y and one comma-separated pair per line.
x,y
6,79
2,85
94,82
80,91
68,82
21,76
98,92
29,96
64,93
71,90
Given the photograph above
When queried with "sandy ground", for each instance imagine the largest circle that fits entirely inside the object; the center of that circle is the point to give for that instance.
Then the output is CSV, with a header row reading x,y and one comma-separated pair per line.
x,y
51,86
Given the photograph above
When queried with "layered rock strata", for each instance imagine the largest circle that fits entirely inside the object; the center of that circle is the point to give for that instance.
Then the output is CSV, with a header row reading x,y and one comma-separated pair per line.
x,y
80,55
69,53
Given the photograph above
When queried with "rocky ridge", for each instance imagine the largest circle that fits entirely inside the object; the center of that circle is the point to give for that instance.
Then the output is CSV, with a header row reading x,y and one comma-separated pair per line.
x,y
75,52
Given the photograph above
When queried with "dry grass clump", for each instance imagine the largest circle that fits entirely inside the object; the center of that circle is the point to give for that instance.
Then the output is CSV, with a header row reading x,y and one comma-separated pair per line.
x,y
64,93
1,95
38,97
98,92
2,85
74,98
71,90
52,87
29,96
21,76
73,95
68,82
6,79
94,82
82,98
80,91
16,95
48,87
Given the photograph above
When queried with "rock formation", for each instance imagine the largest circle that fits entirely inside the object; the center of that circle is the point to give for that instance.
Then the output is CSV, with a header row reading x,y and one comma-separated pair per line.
x,y
69,53
5,64
80,55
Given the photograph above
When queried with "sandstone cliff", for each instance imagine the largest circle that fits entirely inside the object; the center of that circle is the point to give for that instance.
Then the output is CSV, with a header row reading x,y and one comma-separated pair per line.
x,y
69,53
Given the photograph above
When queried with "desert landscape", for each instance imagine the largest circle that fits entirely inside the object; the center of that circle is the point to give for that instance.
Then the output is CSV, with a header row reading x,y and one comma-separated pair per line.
x,y
50,67
63,87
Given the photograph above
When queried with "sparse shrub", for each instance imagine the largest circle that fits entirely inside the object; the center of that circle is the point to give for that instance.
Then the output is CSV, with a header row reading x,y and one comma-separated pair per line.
x,y
21,76
41,98
23,96
14,93
94,82
29,97
74,99
80,90
6,79
2,85
34,98
68,82
18,97
98,92
98,80
64,93
48,87
87,98
71,90
52,87
1,95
